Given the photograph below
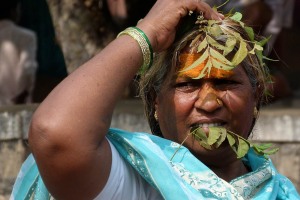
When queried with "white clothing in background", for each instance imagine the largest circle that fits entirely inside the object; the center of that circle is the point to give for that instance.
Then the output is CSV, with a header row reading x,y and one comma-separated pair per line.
x,y
17,62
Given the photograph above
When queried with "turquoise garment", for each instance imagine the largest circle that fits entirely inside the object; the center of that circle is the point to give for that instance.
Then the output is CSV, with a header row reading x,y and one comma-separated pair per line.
x,y
183,178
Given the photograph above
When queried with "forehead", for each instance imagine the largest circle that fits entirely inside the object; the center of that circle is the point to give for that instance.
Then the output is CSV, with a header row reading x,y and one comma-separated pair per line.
x,y
238,72
197,65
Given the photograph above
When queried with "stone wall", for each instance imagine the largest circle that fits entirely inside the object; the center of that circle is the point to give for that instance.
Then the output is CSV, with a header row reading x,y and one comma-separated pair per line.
x,y
277,124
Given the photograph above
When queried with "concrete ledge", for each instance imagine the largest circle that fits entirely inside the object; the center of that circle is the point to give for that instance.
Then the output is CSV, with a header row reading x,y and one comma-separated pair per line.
x,y
14,121
278,125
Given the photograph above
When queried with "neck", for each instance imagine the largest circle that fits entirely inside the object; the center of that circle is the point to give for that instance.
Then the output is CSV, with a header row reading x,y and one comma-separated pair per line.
x,y
224,163
230,171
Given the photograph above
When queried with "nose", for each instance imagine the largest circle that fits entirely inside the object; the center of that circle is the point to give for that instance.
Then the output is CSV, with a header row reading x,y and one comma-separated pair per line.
x,y
208,100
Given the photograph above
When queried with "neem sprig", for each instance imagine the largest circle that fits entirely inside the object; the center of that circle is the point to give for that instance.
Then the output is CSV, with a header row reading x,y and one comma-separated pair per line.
x,y
240,145
214,54
218,135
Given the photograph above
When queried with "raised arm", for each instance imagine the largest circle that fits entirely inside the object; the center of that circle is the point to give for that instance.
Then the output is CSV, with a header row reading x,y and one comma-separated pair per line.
x,y
67,133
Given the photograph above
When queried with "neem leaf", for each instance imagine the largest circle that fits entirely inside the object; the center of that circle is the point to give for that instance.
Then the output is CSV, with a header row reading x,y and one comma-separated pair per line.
x,y
211,22
205,145
213,136
214,43
272,151
250,32
222,137
260,56
239,145
202,45
266,58
256,47
264,41
243,147
241,54
201,137
199,61
230,44
263,146
215,30
230,139
219,65
207,67
200,134
264,149
218,56
236,16
195,40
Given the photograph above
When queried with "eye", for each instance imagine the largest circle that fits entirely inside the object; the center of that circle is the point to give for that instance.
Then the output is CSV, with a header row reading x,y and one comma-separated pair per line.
x,y
186,86
226,83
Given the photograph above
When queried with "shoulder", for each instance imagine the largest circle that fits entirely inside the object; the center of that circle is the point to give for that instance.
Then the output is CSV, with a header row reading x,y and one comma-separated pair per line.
x,y
22,32
27,33
287,189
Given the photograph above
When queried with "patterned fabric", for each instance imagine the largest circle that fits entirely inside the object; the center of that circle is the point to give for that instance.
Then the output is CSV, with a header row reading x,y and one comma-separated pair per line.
x,y
186,175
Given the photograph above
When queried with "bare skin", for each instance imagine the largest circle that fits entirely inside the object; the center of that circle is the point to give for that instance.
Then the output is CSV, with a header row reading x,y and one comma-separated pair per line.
x,y
67,133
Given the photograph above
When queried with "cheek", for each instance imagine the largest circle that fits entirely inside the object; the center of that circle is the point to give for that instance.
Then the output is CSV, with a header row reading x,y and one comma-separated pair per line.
x,y
183,105
241,105
175,103
173,110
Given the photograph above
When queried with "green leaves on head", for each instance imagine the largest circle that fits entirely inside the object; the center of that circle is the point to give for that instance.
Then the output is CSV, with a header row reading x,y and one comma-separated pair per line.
x,y
220,41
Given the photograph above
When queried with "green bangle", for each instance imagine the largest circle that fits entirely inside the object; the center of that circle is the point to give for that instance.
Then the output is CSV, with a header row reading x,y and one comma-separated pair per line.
x,y
145,45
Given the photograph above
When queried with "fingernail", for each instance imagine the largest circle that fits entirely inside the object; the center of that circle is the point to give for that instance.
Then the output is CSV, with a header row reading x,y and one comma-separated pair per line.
x,y
221,16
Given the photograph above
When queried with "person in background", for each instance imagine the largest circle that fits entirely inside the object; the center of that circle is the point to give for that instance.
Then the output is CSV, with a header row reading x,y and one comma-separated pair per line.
x,y
36,16
17,57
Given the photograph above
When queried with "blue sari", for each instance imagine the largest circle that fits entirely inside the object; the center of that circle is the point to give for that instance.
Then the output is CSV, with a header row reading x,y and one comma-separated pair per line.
x,y
150,156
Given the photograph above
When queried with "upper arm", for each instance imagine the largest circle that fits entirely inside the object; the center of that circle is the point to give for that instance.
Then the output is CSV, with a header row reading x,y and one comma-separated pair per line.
x,y
78,172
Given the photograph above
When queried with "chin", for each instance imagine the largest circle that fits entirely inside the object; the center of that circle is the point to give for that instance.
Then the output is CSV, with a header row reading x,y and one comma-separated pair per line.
x,y
209,155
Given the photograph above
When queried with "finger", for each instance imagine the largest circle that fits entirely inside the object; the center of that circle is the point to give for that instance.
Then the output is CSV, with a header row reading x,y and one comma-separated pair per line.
x,y
207,10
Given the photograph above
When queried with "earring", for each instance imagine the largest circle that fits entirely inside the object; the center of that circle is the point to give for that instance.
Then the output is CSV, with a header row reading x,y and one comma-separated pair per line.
x,y
255,112
219,101
155,116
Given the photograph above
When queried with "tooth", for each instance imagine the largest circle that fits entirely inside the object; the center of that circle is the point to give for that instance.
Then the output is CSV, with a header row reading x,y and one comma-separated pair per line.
x,y
205,125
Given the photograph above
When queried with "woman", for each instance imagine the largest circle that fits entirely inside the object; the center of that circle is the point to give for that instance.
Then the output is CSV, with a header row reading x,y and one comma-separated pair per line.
x,y
188,101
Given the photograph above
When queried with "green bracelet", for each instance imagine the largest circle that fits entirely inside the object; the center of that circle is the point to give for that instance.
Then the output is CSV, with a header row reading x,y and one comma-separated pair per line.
x,y
145,45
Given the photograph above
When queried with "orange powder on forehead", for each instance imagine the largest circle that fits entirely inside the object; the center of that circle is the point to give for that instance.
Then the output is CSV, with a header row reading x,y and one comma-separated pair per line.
x,y
187,59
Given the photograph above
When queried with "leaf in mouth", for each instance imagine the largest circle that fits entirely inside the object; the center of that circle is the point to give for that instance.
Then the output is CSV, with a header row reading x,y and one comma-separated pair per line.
x,y
217,135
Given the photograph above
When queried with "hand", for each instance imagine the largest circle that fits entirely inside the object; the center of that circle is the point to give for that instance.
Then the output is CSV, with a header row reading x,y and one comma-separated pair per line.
x,y
162,20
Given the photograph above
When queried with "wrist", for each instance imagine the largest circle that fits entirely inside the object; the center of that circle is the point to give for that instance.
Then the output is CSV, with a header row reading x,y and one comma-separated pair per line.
x,y
145,45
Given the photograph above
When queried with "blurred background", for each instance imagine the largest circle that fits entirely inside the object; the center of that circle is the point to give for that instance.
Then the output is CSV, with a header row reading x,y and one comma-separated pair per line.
x,y
69,32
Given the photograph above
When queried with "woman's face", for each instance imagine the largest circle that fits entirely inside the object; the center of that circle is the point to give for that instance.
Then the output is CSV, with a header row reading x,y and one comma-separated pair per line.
x,y
184,102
